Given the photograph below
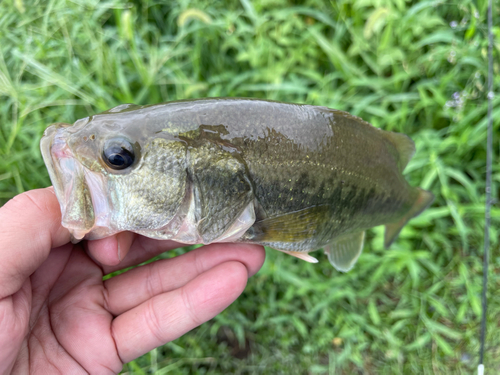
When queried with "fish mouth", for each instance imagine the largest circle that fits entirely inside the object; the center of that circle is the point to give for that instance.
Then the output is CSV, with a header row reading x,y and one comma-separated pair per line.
x,y
80,192
48,139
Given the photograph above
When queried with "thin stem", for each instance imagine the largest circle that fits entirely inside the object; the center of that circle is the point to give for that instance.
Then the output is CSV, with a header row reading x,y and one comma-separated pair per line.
x,y
489,154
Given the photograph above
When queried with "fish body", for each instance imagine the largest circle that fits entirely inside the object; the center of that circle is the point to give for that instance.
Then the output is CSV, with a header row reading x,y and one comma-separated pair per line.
x,y
293,177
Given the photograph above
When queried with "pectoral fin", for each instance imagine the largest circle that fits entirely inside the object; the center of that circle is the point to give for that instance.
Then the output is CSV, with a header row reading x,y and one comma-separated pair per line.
x,y
345,250
292,227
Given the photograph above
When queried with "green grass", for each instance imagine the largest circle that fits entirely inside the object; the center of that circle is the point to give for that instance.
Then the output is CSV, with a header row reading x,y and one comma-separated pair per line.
x,y
413,67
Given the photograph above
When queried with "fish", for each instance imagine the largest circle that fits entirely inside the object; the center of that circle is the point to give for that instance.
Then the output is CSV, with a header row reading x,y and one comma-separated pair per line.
x,y
293,177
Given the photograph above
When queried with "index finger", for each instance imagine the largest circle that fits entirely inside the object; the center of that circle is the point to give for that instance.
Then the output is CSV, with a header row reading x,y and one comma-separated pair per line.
x,y
30,225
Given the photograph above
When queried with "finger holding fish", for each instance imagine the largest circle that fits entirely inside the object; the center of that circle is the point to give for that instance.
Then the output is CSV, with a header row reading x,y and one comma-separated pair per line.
x,y
134,249
137,285
167,316
144,307
111,251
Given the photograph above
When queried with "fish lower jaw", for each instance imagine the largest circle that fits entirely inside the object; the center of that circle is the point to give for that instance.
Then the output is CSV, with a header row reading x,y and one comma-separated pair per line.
x,y
95,233
77,235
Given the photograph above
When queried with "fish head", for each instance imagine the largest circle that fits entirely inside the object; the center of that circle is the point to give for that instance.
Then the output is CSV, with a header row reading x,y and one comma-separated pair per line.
x,y
102,181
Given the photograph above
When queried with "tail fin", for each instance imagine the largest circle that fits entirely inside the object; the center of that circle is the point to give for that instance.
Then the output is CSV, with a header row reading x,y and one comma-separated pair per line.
x,y
424,200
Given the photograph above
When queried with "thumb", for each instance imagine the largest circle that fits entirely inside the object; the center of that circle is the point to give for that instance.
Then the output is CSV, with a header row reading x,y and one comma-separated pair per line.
x,y
30,225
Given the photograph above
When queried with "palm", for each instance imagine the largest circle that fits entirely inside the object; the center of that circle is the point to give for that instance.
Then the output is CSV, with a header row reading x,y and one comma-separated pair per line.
x,y
72,321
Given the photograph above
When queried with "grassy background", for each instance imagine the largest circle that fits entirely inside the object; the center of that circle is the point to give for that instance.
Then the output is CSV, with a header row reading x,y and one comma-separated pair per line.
x,y
408,66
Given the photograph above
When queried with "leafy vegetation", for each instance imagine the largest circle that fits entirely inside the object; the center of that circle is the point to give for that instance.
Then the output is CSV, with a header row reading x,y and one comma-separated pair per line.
x,y
417,67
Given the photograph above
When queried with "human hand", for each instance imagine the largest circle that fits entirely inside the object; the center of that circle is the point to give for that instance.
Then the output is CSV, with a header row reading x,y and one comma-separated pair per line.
x,y
58,315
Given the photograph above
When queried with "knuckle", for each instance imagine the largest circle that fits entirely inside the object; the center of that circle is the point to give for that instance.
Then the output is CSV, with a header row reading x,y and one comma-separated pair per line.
x,y
16,209
11,328
154,323
21,201
189,308
153,280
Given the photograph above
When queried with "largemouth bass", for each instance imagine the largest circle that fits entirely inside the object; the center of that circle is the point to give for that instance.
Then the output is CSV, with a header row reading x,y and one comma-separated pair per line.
x,y
293,177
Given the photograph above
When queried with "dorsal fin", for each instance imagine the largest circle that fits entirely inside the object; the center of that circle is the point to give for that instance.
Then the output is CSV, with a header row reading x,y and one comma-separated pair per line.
x,y
122,108
404,146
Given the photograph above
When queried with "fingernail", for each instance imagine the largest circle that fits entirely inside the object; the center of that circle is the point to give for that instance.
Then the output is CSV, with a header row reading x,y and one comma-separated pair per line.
x,y
119,250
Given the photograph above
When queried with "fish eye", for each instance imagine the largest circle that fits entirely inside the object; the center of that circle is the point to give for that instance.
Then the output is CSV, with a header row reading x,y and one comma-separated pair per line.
x,y
118,154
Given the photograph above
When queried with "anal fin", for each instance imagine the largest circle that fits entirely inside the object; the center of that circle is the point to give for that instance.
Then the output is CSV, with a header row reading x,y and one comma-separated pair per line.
x,y
302,255
344,251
